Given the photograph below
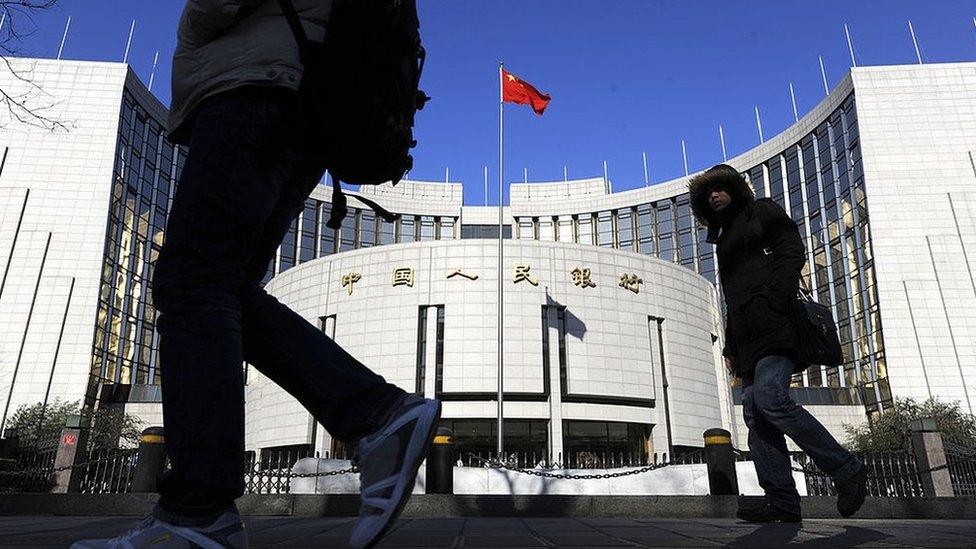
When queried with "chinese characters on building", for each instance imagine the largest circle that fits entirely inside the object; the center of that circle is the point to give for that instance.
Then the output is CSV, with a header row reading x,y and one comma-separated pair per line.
x,y
631,282
403,276
522,273
581,276
350,279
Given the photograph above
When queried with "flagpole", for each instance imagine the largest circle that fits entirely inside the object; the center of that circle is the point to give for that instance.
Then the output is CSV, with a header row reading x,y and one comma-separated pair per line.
x,y
501,266
64,38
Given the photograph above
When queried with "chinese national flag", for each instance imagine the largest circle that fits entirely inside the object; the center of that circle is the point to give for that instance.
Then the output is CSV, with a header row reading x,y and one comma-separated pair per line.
x,y
516,90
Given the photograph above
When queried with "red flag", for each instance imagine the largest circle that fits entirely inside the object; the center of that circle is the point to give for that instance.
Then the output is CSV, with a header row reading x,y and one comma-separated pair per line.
x,y
516,90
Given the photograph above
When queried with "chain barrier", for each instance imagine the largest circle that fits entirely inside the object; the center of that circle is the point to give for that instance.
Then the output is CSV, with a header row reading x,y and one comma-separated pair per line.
x,y
347,471
497,464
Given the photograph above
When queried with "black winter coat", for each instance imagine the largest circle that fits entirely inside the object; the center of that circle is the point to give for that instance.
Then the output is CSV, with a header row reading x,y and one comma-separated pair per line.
x,y
760,256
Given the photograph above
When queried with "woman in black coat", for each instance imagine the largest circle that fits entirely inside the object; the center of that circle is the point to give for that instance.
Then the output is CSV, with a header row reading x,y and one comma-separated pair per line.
x,y
760,255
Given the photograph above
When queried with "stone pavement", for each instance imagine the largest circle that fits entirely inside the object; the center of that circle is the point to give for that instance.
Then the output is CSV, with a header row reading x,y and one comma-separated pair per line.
x,y
42,532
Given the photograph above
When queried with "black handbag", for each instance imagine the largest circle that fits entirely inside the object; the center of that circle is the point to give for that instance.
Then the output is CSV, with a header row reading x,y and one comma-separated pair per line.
x,y
816,333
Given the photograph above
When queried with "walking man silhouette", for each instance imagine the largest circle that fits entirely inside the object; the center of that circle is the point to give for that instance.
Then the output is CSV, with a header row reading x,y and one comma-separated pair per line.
x,y
249,169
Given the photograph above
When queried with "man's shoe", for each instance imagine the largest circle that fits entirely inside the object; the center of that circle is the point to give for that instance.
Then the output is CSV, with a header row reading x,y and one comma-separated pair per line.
x,y
767,512
226,531
388,461
851,493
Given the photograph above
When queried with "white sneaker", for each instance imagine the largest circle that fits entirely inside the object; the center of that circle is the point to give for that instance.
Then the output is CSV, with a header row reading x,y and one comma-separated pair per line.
x,y
388,461
226,531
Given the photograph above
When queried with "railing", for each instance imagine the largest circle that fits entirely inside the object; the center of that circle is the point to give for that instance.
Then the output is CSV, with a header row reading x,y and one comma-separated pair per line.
x,y
890,474
36,460
273,472
961,459
108,471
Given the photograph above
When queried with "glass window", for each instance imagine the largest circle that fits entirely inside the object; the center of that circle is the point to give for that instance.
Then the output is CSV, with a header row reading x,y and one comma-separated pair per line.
x,y
683,209
347,232
446,229
775,169
645,230
758,180
526,229
309,223
605,232
565,229
287,257
585,229
546,231
386,231
367,231
407,229
426,228
327,236
686,248
625,229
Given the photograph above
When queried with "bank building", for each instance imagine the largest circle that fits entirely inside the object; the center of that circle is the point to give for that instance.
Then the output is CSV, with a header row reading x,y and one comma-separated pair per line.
x,y
613,323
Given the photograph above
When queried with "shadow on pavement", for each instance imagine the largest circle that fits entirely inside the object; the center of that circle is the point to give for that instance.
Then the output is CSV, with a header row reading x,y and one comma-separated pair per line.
x,y
781,535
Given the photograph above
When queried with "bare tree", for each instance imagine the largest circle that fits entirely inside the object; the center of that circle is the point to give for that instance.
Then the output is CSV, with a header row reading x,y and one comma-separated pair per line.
x,y
28,102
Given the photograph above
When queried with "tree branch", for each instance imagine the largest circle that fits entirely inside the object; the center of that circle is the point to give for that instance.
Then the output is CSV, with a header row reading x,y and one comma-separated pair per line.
x,y
18,25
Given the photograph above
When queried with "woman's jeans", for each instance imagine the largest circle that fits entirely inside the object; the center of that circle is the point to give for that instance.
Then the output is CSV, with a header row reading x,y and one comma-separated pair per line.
x,y
770,413
246,178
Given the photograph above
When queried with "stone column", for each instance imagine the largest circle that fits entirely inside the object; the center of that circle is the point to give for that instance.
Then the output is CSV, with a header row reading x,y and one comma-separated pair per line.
x,y
71,451
929,454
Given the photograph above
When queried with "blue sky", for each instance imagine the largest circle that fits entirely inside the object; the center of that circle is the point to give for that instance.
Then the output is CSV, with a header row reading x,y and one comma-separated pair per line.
x,y
626,76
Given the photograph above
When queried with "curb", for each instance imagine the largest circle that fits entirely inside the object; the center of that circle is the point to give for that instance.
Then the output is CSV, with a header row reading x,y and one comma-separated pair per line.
x,y
435,505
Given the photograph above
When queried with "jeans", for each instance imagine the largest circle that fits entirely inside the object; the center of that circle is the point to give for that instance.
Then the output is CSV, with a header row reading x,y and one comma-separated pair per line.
x,y
246,178
770,413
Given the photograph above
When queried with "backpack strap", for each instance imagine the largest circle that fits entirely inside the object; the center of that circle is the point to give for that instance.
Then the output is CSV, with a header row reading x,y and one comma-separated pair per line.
x,y
340,208
295,23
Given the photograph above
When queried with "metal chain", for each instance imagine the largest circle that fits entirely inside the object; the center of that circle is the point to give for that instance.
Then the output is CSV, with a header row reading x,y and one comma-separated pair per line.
x,y
494,464
337,472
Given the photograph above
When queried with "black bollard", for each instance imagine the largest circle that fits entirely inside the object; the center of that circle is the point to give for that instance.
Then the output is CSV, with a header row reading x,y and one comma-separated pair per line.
x,y
720,460
151,460
440,463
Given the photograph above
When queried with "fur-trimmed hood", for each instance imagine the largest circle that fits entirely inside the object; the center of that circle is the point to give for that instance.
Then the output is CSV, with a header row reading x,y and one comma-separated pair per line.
x,y
701,185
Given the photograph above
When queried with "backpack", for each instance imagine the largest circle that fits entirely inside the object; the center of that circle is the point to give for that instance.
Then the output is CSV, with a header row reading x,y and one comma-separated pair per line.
x,y
361,88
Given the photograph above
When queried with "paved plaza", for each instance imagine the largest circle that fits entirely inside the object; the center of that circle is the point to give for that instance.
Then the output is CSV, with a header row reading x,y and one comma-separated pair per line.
x,y
42,532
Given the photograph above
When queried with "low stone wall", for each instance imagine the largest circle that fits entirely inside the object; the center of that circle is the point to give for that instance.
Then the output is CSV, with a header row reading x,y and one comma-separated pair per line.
x,y
674,480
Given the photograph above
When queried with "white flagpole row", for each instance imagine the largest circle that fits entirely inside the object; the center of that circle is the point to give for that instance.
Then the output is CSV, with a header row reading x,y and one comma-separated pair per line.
x,y
721,137
850,45
918,53
152,75
64,37
759,126
128,43
796,117
647,181
823,75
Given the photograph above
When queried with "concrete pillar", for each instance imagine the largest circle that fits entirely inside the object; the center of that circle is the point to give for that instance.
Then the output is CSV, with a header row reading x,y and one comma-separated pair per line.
x,y
555,390
929,454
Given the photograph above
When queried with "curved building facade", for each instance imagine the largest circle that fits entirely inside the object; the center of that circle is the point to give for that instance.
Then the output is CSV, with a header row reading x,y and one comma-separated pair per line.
x,y
598,343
